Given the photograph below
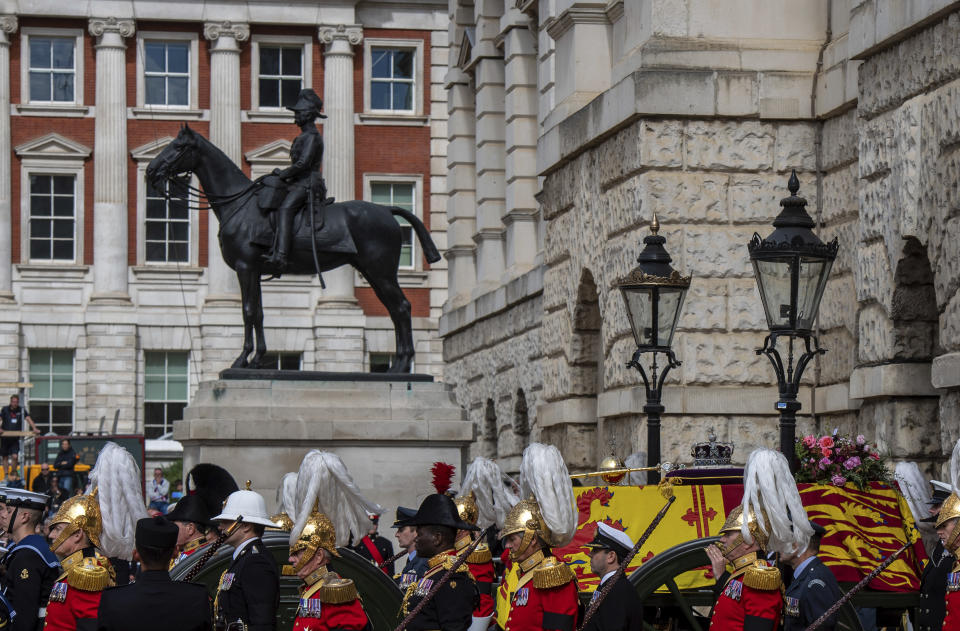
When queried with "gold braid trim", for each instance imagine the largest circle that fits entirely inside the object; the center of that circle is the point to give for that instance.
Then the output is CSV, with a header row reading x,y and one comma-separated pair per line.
x,y
762,577
337,591
449,562
552,573
405,605
90,575
480,555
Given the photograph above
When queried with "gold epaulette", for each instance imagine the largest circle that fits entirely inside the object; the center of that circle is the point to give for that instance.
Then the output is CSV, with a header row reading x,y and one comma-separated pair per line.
x,y
336,591
552,573
450,561
762,577
480,555
92,574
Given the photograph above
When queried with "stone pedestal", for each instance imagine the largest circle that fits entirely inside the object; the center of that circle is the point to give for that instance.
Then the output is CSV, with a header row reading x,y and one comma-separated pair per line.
x,y
387,432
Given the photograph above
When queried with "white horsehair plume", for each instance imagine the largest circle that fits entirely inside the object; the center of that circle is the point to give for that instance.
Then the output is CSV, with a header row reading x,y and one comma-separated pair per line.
x,y
324,481
636,460
769,488
488,483
117,479
544,474
955,469
287,495
916,490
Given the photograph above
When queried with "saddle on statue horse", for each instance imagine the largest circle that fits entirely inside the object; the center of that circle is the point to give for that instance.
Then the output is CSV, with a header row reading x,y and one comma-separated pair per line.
x,y
332,236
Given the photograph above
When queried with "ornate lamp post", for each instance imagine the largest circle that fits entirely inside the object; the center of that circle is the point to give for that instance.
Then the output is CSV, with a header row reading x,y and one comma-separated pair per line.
x,y
792,266
653,292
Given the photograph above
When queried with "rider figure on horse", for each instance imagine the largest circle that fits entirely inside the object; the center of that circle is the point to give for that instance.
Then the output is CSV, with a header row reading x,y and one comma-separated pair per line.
x,y
306,154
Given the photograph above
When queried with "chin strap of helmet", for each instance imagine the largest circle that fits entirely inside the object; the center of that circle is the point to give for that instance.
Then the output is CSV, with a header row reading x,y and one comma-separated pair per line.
x,y
952,544
203,560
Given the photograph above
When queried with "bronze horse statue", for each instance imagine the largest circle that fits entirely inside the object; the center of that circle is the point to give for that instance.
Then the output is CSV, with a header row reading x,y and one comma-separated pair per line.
x,y
358,233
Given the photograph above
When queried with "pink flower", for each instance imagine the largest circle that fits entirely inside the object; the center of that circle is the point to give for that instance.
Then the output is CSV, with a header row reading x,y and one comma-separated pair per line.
x,y
826,442
825,462
861,439
826,452
838,480
809,441
875,456
851,463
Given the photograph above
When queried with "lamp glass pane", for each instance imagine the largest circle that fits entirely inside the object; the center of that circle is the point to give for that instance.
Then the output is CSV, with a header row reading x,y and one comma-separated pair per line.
x,y
640,311
773,280
811,282
671,303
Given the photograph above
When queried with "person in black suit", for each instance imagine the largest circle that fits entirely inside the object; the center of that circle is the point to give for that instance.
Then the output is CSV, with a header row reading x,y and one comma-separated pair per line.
x,y
375,548
814,588
155,602
249,591
621,609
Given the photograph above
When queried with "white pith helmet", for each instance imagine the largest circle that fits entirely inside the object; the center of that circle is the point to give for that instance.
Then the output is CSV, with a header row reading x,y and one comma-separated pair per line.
x,y
249,505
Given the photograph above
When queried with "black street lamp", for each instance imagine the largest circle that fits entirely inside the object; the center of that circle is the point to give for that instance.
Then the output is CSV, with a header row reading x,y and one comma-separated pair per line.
x,y
653,292
792,266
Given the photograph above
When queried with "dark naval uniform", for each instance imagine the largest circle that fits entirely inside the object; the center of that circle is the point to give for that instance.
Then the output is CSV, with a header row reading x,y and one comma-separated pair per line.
x,y
810,595
249,591
749,599
933,587
619,611
186,606
413,571
30,570
452,607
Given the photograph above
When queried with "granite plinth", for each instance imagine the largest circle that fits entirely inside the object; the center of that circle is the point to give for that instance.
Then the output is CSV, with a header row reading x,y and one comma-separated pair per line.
x,y
318,375
387,432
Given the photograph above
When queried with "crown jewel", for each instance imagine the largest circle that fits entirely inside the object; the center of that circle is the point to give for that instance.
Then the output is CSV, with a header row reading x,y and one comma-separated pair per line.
x,y
712,453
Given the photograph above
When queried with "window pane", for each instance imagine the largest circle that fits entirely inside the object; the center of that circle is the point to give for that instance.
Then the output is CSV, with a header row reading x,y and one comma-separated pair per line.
x,y
63,184
403,96
178,209
178,91
178,231
177,363
63,53
154,363
380,95
290,89
156,231
178,58
269,93
177,388
153,414
39,52
179,252
154,54
269,60
403,64
63,87
156,252
380,59
62,388
406,256
39,184
380,193
154,388
156,91
63,228
174,412
156,209
403,195
39,86
63,250
61,413
290,361
40,205
291,61
39,228
40,249
63,206
61,362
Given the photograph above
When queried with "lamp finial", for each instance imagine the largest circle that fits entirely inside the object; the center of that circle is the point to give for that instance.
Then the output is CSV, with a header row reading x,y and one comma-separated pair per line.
x,y
654,225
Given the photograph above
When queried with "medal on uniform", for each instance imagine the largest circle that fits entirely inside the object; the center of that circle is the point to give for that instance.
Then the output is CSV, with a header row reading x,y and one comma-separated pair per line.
x,y
424,587
226,582
59,593
310,608
733,590
791,606
522,596
953,582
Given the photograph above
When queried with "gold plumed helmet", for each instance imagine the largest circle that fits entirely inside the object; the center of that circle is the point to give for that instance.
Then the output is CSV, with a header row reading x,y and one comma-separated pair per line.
x,y
467,508
950,509
81,512
317,533
525,517
734,523
284,521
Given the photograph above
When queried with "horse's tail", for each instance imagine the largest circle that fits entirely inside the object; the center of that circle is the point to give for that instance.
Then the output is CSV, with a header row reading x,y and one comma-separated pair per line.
x,y
429,248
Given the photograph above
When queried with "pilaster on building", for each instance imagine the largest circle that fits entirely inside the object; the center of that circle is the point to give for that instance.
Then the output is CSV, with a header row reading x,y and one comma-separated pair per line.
x,y
115,294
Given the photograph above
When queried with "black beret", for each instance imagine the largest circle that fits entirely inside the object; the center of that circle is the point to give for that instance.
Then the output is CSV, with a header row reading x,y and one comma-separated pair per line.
x,y
157,532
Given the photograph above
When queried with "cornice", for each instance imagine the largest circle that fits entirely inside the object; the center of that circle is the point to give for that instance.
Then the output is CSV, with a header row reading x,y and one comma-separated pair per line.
x,y
578,15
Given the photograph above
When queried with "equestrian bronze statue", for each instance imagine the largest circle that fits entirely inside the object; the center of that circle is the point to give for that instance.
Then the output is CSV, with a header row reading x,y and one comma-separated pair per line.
x,y
323,234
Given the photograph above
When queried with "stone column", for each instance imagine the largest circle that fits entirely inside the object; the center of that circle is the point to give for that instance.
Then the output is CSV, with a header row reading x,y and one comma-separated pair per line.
x,y
338,157
491,167
520,87
222,282
461,187
110,161
8,26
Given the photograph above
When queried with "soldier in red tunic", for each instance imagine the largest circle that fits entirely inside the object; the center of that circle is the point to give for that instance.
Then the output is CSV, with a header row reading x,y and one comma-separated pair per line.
x,y
749,596
948,529
480,562
546,594
324,487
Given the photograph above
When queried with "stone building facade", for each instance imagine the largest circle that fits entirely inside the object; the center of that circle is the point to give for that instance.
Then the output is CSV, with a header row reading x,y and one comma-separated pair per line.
x,y
113,299
698,111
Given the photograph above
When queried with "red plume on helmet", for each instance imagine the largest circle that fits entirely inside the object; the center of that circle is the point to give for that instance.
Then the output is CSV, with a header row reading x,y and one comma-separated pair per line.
x,y
442,476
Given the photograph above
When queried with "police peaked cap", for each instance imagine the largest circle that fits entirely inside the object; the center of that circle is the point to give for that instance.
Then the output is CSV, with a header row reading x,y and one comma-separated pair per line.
x,y
437,510
609,538
156,532
308,101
